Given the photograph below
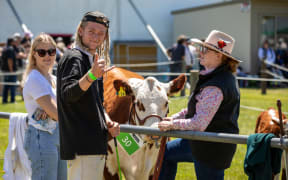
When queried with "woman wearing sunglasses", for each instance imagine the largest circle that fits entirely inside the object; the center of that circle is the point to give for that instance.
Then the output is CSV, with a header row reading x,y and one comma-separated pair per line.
x,y
212,107
39,92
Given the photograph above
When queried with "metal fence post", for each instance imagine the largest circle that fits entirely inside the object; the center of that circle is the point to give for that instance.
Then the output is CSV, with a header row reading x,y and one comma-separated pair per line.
x,y
193,79
263,75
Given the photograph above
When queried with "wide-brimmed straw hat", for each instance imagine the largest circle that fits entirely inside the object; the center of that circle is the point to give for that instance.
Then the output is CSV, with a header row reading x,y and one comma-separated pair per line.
x,y
220,42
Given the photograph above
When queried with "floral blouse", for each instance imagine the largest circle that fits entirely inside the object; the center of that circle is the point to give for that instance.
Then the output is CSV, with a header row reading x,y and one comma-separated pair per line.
x,y
209,100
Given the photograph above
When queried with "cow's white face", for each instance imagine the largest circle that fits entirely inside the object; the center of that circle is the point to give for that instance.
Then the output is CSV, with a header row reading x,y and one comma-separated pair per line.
x,y
150,98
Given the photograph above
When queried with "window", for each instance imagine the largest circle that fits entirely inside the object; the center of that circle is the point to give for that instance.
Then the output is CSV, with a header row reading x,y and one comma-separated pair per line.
x,y
135,52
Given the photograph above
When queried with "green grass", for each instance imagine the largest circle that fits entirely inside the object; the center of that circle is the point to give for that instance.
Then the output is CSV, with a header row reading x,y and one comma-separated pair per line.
x,y
247,120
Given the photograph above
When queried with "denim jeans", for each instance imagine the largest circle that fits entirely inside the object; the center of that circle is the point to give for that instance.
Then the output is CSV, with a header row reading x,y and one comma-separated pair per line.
x,y
43,151
12,88
179,150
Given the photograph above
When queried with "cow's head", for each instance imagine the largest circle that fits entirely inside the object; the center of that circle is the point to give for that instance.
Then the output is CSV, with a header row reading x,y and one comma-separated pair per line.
x,y
150,96
268,122
274,114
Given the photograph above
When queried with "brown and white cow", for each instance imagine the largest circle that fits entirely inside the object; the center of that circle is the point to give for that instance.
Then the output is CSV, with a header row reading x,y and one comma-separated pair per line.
x,y
150,97
268,122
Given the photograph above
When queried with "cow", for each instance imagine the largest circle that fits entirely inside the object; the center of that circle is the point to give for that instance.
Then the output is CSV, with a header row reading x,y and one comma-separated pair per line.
x,y
143,97
268,122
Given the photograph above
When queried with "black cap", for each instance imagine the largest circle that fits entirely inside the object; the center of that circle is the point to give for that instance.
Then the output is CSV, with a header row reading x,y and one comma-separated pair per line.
x,y
97,17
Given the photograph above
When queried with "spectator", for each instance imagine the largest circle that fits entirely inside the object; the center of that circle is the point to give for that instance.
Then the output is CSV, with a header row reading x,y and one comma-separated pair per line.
x,y
61,48
28,36
20,51
42,137
72,40
212,107
9,65
282,57
82,117
189,55
267,53
177,53
241,73
1,50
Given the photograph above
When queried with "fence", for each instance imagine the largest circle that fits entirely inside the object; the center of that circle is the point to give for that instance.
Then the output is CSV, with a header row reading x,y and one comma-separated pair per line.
x,y
196,135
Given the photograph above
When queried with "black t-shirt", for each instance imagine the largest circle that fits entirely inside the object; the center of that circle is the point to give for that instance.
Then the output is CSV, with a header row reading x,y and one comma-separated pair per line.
x,y
8,53
17,50
178,52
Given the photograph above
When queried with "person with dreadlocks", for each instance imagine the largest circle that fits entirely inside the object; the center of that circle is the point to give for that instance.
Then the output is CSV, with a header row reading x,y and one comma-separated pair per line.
x,y
83,121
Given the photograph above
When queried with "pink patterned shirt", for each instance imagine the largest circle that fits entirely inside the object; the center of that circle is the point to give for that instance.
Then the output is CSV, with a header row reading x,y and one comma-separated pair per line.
x,y
209,100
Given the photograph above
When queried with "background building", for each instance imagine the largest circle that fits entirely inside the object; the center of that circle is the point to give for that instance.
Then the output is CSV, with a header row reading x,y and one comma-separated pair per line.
x,y
131,42
249,22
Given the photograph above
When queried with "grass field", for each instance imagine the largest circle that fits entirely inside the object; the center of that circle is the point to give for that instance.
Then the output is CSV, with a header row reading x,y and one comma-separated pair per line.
x,y
247,119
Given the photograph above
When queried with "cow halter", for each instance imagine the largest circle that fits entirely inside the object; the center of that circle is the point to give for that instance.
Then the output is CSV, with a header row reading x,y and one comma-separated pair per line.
x,y
133,111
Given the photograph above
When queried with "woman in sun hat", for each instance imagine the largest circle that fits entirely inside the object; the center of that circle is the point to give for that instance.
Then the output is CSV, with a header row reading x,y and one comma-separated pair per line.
x,y
212,107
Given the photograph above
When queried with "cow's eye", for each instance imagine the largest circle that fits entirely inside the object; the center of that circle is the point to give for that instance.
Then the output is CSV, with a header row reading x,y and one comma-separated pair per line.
x,y
140,106
166,104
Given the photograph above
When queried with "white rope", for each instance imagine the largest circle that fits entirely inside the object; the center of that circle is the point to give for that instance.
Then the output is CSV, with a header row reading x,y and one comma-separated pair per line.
x,y
11,73
256,109
10,83
273,74
262,79
188,74
161,74
276,65
146,64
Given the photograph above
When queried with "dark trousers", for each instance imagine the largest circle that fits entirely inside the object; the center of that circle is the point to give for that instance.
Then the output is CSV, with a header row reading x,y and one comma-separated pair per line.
x,y
179,150
7,88
175,68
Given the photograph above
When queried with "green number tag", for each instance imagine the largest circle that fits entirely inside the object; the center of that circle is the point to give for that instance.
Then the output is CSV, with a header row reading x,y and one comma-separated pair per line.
x,y
130,142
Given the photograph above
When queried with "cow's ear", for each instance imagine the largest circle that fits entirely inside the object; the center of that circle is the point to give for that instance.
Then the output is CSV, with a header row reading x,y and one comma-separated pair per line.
x,y
125,86
175,85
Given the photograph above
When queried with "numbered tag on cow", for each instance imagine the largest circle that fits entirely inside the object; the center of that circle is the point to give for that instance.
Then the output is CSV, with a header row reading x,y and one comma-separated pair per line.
x,y
130,142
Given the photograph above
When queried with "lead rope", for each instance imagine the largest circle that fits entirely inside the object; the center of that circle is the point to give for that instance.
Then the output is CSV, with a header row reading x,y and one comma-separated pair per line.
x,y
118,161
160,159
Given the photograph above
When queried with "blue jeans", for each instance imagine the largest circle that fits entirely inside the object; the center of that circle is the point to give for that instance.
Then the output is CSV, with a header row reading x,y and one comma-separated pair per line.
x,y
6,88
179,150
43,151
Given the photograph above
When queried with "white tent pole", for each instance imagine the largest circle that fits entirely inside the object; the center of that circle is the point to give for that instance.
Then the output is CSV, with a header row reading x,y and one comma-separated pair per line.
x,y
150,30
23,26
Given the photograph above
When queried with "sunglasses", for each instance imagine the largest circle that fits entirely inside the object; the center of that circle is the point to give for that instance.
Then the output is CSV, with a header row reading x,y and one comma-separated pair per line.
x,y
42,52
203,49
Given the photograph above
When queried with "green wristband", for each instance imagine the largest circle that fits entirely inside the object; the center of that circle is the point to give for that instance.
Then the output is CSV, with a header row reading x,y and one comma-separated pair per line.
x,y
91,75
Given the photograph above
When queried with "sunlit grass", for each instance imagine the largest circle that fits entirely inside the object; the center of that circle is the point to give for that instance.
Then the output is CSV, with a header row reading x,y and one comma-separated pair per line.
x,y
247,119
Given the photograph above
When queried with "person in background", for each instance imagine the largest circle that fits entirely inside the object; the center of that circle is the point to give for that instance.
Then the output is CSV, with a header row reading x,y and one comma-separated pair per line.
x,y
282,56
9,65
20,51
1,50
28,36
177,53
212,107
83,120
266,53
241,73
42,137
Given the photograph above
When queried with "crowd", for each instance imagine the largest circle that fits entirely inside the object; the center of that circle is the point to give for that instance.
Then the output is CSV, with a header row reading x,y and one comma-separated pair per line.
x,y
278,55
14,57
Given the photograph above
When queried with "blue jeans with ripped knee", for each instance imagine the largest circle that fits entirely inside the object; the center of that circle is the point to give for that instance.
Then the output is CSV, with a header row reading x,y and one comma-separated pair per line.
x,y
179,150
43,150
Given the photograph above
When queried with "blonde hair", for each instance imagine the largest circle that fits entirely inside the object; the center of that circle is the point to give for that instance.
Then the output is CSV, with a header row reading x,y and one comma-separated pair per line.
x,y
103,50
41,38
